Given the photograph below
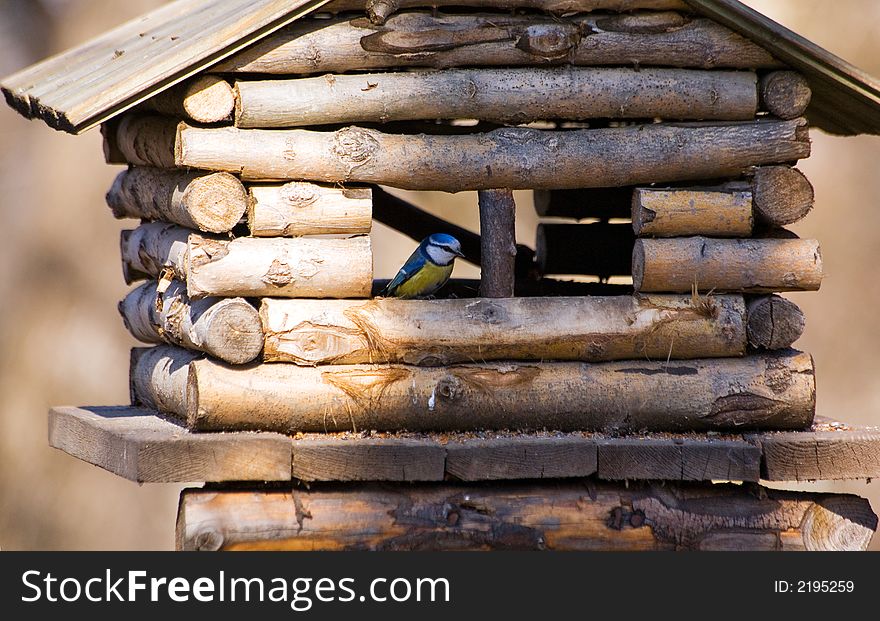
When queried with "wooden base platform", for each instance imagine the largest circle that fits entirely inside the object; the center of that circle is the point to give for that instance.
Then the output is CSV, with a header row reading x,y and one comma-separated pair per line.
x,y
140,445
570,515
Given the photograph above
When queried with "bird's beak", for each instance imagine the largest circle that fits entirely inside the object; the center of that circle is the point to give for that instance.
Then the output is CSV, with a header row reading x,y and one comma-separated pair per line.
x,y
459,253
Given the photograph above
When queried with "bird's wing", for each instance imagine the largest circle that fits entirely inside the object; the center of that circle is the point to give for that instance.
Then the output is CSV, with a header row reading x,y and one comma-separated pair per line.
x,y
413,264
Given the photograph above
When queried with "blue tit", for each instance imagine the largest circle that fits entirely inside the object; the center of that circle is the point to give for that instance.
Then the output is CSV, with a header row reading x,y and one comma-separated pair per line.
x,y
427,269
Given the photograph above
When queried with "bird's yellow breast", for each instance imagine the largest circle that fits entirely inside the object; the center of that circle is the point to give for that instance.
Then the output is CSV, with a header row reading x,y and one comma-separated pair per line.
x,y
424,282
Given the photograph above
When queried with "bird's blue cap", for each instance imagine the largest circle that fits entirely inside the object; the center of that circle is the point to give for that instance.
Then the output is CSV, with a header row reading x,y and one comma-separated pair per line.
x,y
440,239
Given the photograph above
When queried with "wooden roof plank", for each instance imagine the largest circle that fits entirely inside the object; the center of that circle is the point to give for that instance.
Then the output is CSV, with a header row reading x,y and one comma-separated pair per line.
x,y
82,87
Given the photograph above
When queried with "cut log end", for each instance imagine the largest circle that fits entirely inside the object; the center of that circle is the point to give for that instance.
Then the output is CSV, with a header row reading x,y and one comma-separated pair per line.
x,y
785,94
774,322
215,202
235,331
209,99
782,195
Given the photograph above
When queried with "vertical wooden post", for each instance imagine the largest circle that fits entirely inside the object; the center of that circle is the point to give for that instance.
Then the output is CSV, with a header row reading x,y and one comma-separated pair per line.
x,y
497,243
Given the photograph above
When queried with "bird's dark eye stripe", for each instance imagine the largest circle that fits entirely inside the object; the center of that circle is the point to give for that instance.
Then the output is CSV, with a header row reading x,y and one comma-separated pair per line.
x,y
446,248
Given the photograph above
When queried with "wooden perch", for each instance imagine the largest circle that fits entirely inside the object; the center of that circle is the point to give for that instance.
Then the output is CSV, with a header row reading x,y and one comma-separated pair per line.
x,y
380,10
523,516
214,202
600,249
515,158
503,95
204,99
246,266
774,322
785,94
226,328
440,332
709,264
497,243
421,40
300,208
770,391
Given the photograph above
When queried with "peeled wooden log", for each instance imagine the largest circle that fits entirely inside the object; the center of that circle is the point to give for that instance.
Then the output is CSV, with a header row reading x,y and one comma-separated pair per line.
x,y
439,332
158,375
423,40
380,10
246,266
204,99
599,249
226,328
780,195
677,212
300,208
774,322
503,95
214,202
681,264
770,391
141,140
785,94
514,158
523,516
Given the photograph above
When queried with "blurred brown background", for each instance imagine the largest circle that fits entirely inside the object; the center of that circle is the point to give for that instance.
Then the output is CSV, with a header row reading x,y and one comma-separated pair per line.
x,y
62,342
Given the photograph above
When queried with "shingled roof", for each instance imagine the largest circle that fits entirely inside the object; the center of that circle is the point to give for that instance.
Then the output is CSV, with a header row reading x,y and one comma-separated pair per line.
x,y
99,79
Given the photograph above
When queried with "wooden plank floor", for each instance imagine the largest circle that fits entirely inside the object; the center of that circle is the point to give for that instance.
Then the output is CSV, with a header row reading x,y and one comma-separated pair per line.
x,y
140,445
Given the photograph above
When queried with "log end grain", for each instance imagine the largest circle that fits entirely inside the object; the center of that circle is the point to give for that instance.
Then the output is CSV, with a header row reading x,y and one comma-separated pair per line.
x,y
209,99
785,94
235,332
215,202
774,322
782,195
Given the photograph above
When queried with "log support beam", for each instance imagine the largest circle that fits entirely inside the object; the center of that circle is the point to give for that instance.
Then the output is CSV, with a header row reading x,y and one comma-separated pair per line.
x,y
497,243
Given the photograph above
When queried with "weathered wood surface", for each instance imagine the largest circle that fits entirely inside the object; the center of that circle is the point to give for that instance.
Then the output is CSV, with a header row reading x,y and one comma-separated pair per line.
x,y
774,322
496,455
514,158
497,243
213,202
662,212
785,94
777,195
300,208
503,95
204,99
226,328
255,267
565,516
440,332
599,248
681,264
769,391
136,444
664,39
380,10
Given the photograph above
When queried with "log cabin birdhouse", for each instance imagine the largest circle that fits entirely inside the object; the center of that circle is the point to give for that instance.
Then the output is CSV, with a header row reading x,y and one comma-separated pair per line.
x,y
660,138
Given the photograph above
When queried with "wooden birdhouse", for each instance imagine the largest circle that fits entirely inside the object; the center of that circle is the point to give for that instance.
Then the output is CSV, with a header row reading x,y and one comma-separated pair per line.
x,y
641,340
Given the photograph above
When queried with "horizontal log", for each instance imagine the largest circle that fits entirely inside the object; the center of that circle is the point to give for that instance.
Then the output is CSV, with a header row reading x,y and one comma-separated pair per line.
x,y
600,249
440,332
516,158
140,445
780,195
667,212
204,99
140,140
523,516
503,95
226,328
380,10
214,202
774,322
299,208
726,265
785,94
526,287
423,40
157,377
771,391
250,267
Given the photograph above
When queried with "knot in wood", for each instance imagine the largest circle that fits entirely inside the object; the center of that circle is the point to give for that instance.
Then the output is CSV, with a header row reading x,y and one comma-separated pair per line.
x,y
354,146
488,312
549,40
448,388
207,539
299,194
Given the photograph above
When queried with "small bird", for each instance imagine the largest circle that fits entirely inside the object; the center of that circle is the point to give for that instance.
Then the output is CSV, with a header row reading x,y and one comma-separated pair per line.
x,y
427,269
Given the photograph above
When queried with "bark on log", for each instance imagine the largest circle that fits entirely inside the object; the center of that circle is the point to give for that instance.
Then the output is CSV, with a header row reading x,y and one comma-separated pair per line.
x,y
205,99
726,265
158,375
250,267
422,40
774,322
504,95
667,212
767,391
515,158
380,10
214,202
785,94
299,208
781,195
440,332
142,140
226,328
599,249
523,516
497,243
